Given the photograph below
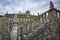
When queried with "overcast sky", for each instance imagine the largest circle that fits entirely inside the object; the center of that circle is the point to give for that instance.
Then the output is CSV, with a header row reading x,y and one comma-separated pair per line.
x,y
34,6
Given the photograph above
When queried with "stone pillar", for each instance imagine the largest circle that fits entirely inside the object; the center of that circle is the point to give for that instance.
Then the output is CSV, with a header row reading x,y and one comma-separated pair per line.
x,y
14,32
32,24
52,14
14,28
45,17
59,14
41,18
21,33
56,15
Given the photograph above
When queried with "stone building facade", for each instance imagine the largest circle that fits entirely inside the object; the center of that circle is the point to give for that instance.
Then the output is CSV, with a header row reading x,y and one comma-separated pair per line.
x,y
24,20
21,26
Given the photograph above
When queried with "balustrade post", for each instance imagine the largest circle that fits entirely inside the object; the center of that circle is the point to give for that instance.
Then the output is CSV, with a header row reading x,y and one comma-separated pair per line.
x,y
59,14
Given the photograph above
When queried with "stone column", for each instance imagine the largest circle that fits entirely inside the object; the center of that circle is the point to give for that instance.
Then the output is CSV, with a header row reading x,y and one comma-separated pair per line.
x,y
14,28
59,14
52,15
42,18
45,17
39,20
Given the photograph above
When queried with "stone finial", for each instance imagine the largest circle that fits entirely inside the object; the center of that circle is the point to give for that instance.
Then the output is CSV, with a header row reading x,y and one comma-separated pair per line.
x,y
19,12
15,19
51,5
15,16
38,13
7,12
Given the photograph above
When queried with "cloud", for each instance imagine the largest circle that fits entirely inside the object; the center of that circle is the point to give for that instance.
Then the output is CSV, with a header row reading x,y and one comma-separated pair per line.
x,y
35,6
